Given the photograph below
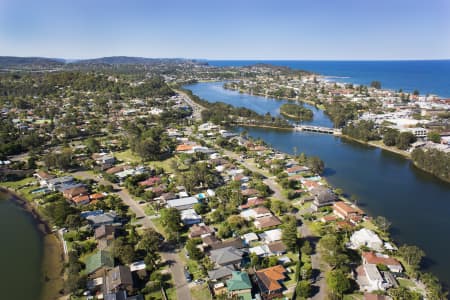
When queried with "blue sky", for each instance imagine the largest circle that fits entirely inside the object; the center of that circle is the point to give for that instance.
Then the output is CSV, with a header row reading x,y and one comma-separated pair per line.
x,y
231,29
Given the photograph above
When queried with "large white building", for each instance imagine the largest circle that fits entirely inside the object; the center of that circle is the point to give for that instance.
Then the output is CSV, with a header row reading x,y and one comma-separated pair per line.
x,y
366,237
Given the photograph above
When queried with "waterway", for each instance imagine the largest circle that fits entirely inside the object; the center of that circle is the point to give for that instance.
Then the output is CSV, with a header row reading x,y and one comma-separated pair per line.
x,y
21,252
385,184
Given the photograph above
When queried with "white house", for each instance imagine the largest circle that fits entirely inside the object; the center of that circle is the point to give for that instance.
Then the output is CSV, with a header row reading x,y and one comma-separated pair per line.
x,y
373,280
365,237
250,237
182,203
270,236
255,213
190,217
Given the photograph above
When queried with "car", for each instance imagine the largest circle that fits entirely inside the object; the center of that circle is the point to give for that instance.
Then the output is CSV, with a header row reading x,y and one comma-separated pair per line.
x,y
199,281
141,202
187,275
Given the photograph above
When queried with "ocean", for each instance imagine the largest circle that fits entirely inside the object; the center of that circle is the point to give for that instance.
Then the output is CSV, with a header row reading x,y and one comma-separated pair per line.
x,y
427,76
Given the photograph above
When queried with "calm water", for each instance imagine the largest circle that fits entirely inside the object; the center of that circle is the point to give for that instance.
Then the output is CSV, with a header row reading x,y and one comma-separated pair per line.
x,y
428,76
20,254
384,183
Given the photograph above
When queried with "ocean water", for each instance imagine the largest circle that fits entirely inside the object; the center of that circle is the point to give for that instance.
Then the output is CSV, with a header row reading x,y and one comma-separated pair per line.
x,y
427,76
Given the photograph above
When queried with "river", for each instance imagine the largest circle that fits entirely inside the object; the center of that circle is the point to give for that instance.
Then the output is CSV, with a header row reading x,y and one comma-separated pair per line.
x,y
384,183
20,253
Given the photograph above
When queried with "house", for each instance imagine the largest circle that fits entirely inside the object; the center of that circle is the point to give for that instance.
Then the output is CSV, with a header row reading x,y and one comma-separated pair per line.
x,y
251,202
296,170
119,278
271,236
97,196
250,237
168,196
198,230
184,148
381,259
267,222
74,192
232,242
255,213
150,181
226,256
239,286
190,217
366,237
269,281
277,248
98,263
323,196
250,192
221,273
81,200
369,296
108,218
105,235
43,177
344,211
104,159
370,279
260,250
53,183
182,203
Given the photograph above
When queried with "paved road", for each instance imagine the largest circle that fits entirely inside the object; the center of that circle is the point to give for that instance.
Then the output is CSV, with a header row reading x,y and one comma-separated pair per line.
x,y
176,265
196,108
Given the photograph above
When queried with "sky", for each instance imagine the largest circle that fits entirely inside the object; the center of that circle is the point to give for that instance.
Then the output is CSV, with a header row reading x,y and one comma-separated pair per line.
x,y
231,29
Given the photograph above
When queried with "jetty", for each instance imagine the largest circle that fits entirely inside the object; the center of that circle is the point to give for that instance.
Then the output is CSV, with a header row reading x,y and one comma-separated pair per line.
x,y
319,129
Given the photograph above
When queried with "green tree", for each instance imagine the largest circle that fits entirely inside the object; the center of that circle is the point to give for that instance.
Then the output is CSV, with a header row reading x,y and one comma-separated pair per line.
x,y
376,84
306,248
434,136
171,220
193,252
338,283
403,293
382,223
303,289
289,233
412,255
390,137
404,139
316,164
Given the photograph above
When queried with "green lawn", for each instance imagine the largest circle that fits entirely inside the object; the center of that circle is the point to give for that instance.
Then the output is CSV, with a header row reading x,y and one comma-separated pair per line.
x,y
21,187
127,156
406,283
201,292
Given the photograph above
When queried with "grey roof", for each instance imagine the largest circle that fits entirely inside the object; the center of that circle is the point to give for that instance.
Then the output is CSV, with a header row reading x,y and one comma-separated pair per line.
x,y
220,272
106,218
226,255
323,194
120,275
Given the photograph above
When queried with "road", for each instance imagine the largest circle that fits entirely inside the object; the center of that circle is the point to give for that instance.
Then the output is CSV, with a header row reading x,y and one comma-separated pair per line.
x,y
196,108
175,264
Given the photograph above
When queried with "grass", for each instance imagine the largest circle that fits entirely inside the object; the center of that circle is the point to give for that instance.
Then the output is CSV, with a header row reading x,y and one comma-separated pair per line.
x,y
194,269
159,227
406,283
164,164
353,297
127,156
201,292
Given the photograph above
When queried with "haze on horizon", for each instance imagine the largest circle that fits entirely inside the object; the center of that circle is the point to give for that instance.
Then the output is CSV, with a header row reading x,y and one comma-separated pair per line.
x,y
251,29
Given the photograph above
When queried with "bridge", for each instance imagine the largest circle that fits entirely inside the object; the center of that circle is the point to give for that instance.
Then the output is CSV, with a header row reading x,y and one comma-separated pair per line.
x,y
319,129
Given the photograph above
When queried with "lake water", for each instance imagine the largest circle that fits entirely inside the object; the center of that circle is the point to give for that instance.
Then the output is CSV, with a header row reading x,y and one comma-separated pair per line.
x,y
384,183
20,254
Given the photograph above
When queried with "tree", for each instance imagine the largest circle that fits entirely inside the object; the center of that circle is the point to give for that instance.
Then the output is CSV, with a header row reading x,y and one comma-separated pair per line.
x,y
404,139
376,84
123,251
289,233
306,248
390,137
332,250
303,289
412,255
93,145
403,293
382,223
316,164
434,136
171,220
338,283
306,271
416,92
193,252
150,241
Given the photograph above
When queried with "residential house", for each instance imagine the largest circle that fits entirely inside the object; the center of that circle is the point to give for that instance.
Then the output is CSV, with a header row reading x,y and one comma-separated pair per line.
x,y
277,248
80,200
239,286
98,263
119,278
53,183
76,191
43,177
269,282
252,202
370,279
190,217
105,235
198,230
382,259
345,211
232,242
366,237
255,213
182,203
97,220
226,256
221,273
250,237
266,222
271,236
294,170
323,196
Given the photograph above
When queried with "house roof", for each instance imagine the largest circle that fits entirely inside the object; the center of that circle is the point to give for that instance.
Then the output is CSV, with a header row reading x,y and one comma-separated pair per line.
x,y
239,281
96,196
233,242
341,206
266,222
184,147
374,258
104,230
277,247
226,255
269,278
76,191
80,199
182,202
221,272
120,275
200,229
98,260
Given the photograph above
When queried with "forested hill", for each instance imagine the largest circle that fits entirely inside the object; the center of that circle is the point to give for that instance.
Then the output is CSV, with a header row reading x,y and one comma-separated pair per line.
x,y
14,61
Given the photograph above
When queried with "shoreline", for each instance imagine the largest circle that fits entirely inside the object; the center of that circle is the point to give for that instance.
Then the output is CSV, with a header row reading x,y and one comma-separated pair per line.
x,y
52,262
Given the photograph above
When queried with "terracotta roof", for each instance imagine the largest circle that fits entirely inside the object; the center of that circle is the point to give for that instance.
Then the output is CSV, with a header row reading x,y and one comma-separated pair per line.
x,y
79,199
184,147
252,202
249,192
150,181
96,196
277,247
270,277
372,258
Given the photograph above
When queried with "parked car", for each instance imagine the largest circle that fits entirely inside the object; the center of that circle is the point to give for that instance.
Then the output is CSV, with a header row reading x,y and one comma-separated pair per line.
x,y
187,275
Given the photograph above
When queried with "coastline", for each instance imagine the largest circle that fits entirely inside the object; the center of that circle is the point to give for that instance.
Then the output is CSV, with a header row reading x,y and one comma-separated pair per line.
x,y
52,262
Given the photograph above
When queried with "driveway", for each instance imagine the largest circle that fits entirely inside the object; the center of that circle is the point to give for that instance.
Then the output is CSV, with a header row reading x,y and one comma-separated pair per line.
x,y
176,266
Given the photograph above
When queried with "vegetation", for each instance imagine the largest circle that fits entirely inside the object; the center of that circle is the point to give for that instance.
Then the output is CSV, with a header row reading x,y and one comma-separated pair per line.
x,y
362,130
296,112
433,161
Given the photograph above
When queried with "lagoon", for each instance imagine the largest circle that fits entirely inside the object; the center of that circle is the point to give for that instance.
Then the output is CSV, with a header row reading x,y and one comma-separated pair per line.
x,y
386,184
